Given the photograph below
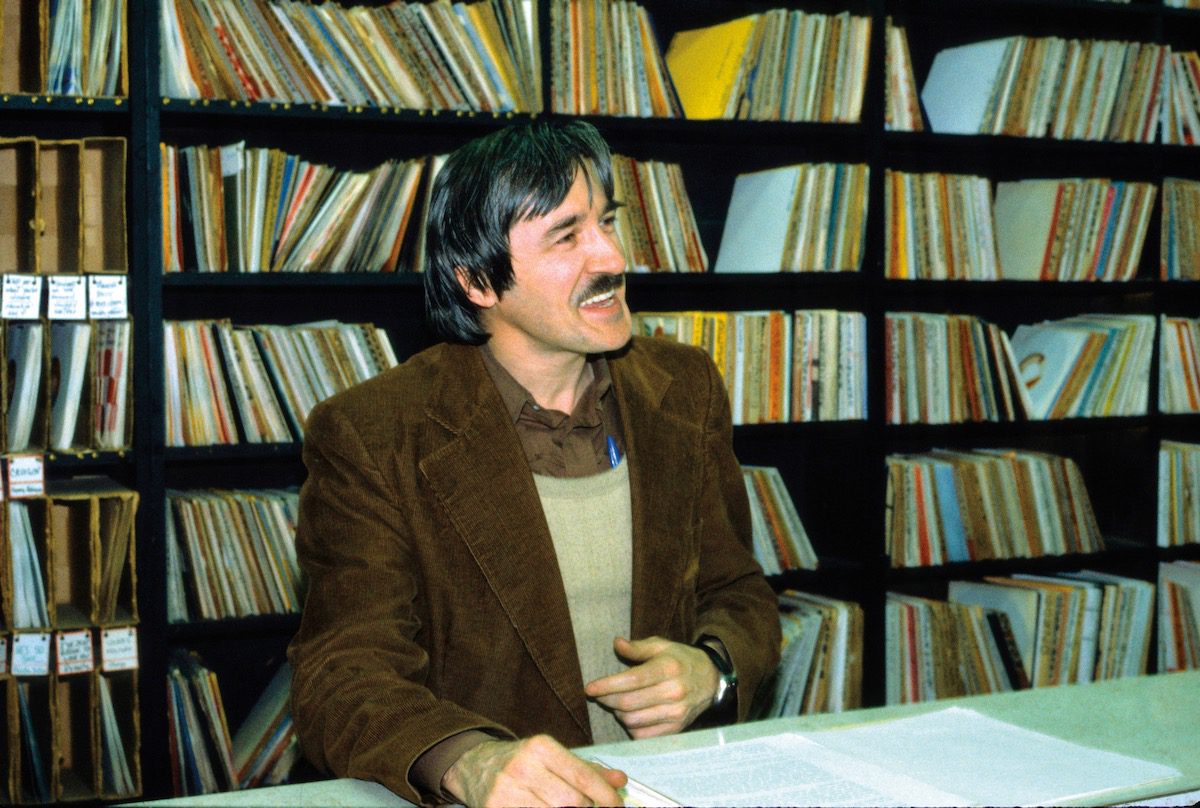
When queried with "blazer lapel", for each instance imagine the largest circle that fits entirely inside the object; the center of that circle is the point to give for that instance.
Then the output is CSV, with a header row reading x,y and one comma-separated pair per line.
x,y
483,481
665,457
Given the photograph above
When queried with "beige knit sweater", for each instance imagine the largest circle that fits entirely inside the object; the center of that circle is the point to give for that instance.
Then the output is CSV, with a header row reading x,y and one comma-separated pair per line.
x,y
592,526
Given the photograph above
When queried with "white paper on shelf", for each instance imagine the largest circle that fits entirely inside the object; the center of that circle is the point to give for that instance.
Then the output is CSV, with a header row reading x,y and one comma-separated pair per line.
x,y
959,85
756,225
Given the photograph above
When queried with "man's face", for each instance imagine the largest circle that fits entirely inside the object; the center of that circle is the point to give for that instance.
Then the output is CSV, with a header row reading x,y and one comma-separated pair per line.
x,y
568,292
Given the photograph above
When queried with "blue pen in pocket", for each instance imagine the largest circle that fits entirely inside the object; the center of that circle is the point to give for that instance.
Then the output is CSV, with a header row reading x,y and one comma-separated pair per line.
x,y
614,454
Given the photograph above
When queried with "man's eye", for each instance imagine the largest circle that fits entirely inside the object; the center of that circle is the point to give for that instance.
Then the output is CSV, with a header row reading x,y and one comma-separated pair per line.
x,y
567,238
609,221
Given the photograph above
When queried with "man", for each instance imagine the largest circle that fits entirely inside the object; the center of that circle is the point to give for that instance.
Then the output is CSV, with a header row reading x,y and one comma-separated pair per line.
x,y
534,535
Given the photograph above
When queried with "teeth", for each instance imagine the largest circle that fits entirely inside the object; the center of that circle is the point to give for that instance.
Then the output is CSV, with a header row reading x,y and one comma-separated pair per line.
x,y
599,298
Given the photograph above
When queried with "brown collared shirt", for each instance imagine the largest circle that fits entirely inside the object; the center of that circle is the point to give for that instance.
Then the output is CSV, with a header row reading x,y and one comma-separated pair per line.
x,y
558,444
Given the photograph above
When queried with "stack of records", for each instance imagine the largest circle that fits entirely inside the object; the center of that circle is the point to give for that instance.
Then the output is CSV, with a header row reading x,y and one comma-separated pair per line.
x,y
310,362
1008,633
903,110
1178,493
1178,364
118,777
1178,616
780,541
1073,627
198,732
605,61
1179,253
1047,86
820,667
110,397
936,650
656,224
947,506
82,375
29,608
800,218
1123,635
779,65
807,366
1181,98
205,757
34,716
1071,229
24,344
1086,366
939,227
265,745
436,55
239,209
233,553
949,368
87,62
829,365
276,374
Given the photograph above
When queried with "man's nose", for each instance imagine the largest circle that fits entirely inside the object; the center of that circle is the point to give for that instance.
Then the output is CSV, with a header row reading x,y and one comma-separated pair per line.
x,y
608,252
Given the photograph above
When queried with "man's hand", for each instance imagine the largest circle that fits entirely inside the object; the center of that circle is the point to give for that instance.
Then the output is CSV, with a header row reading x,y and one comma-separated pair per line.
x,y
533,771
673,684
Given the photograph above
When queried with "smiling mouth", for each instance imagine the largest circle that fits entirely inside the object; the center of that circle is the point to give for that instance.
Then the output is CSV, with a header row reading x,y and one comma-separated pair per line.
x,y
602,291
601,299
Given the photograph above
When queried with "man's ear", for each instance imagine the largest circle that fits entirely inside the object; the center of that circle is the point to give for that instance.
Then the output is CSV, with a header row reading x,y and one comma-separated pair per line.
x,y
481,296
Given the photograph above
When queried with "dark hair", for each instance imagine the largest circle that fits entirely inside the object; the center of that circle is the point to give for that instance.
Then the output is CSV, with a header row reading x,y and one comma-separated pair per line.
x,y
486,187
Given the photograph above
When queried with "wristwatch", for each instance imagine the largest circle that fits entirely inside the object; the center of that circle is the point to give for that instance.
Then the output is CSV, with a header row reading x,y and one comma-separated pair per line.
x,y
726,696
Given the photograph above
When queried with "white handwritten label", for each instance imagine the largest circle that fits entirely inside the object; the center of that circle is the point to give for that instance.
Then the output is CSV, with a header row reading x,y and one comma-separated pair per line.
x,y
118,649
26,476
75,652
107,297
31,655
67,298
22,297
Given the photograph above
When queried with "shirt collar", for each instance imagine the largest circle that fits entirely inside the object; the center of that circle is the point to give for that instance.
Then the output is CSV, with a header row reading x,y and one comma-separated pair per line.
x,y
517,399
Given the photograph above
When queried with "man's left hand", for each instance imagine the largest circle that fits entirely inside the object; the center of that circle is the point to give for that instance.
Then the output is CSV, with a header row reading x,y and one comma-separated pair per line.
x,y
670,685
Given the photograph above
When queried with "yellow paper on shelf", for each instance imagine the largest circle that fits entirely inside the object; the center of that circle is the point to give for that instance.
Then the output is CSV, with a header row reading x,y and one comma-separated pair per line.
x,y
704,64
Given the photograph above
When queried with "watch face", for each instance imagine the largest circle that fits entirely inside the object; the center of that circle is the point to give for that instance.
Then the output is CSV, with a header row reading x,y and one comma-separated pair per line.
x,y
727,677
723,689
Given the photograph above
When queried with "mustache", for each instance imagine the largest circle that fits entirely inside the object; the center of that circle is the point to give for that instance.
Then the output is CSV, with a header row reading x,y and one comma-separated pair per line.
x,y
602,285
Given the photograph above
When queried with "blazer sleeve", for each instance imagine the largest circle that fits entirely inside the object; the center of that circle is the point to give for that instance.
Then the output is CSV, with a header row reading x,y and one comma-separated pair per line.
x,y
359,700
734,601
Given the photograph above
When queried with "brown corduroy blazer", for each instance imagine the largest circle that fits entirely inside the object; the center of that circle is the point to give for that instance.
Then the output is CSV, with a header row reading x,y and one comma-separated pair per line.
x,y
434,601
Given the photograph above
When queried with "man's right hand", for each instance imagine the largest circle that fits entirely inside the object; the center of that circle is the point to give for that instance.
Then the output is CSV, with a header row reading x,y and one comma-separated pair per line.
x,y
533,771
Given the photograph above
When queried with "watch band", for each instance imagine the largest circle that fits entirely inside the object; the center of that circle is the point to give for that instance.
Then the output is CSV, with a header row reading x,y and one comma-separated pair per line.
x,y
726,696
